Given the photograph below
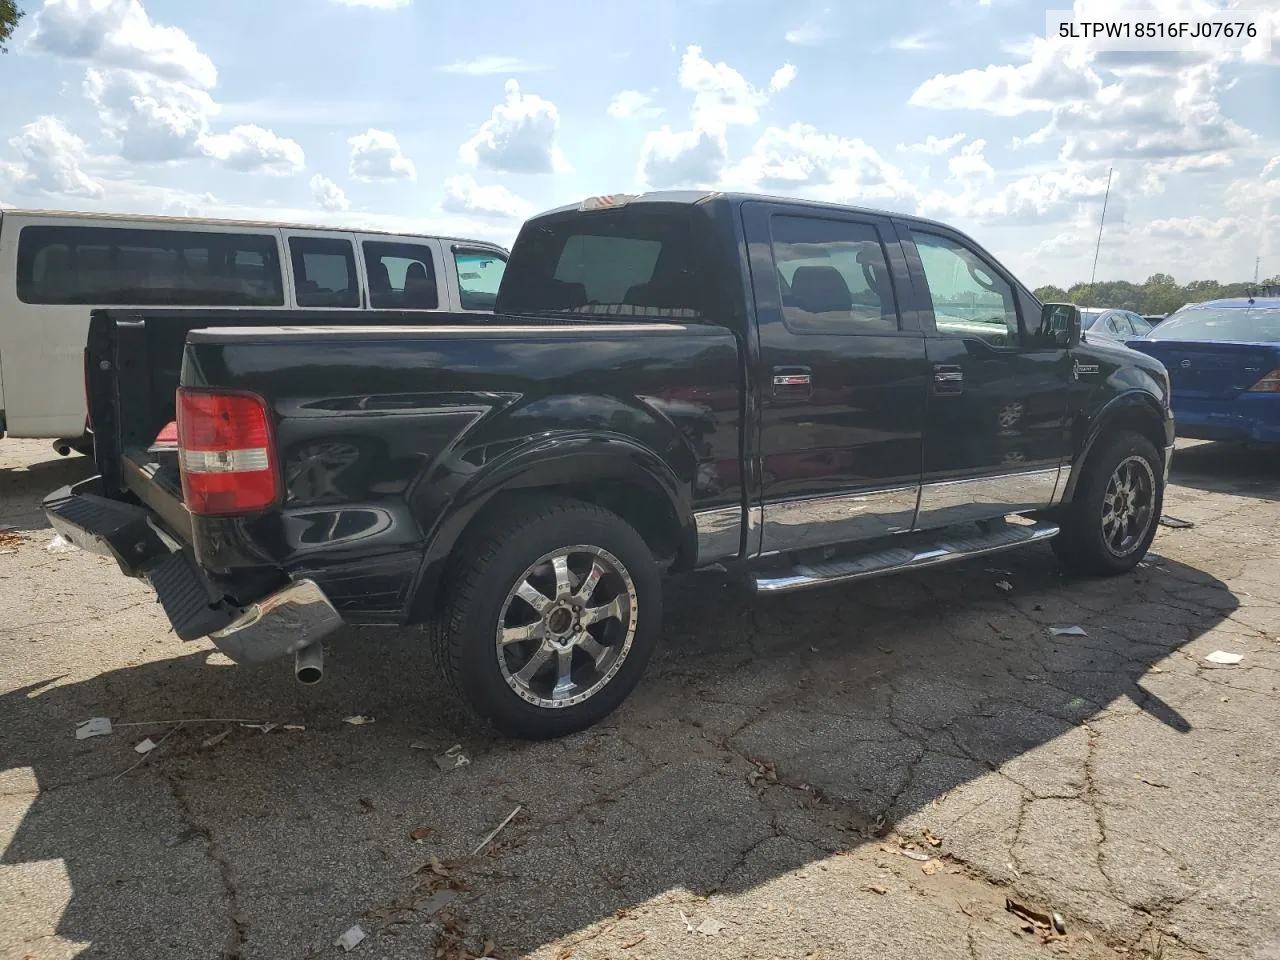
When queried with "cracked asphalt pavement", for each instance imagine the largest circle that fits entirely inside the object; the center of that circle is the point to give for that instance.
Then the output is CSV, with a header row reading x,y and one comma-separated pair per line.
x,y
862,771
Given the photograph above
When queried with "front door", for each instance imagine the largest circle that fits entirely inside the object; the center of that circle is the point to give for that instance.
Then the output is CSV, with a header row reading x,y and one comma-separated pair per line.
x,y
842,378
996,429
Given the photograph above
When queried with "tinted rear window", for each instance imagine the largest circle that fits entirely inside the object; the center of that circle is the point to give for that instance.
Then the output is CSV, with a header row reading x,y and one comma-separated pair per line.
x,y
112,266
619,264
1236,324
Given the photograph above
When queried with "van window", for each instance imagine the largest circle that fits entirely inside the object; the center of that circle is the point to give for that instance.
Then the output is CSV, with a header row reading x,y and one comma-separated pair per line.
x,y
479,276
114,266
324,272
625,263
402,276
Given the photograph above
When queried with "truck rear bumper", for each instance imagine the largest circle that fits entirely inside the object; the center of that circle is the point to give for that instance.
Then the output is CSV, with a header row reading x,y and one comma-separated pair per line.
x,y
280,623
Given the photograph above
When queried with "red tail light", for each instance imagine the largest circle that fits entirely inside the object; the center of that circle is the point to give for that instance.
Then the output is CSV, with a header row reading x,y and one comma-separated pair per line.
x,y
1268,384
224,448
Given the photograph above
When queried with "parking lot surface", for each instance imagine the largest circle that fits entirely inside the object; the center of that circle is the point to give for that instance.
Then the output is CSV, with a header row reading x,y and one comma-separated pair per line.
x,y
863,771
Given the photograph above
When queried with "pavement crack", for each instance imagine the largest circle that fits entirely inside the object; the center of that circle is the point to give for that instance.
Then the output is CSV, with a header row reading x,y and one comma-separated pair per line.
x,y
238,936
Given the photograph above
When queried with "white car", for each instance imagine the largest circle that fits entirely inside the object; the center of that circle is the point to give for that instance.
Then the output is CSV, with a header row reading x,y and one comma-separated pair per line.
x,y
55,267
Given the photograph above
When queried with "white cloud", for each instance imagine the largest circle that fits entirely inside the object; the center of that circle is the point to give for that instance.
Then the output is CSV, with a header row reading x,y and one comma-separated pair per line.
x,y
970,164
691,158
376,4
328,195
1193,228
153,120
250,148
782,77
915,42
933,145
1053,73
376,155
51,156
813,31
518,137
632,103
462,195
825,166
1038,198
722,97
119,33
489,65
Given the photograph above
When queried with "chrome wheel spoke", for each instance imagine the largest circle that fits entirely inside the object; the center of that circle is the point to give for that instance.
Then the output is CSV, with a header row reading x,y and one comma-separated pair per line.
x,y
589,583
561,567
533,596
594,649
564,678
536,663
610,611
530,631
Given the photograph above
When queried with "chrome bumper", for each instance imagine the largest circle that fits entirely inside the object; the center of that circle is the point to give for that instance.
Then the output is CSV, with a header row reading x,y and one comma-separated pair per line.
x,y
280,624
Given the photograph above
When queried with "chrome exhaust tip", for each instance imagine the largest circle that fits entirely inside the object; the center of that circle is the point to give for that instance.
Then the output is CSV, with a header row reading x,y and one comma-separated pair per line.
x,y
308,665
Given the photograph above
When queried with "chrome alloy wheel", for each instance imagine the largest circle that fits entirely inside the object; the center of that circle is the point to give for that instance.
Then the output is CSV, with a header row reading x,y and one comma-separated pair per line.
x,y
1128,506
567,626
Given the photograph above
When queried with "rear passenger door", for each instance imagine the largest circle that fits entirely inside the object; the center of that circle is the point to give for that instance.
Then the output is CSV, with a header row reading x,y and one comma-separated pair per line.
x,y
324,271
403,273
842,377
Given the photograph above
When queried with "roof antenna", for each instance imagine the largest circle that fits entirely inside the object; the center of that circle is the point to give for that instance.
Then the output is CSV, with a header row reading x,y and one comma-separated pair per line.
x,y
1098,248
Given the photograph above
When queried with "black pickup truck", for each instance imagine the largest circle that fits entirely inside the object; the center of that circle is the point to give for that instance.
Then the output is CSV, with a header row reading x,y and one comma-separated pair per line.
x,y
799,393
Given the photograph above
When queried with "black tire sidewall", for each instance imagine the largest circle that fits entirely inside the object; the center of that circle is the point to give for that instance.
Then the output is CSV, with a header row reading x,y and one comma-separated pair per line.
x,y
477,669
1088,546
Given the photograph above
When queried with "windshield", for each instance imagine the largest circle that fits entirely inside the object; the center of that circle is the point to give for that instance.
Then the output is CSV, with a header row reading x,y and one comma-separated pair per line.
x,y
624,263
1089,317
1238,324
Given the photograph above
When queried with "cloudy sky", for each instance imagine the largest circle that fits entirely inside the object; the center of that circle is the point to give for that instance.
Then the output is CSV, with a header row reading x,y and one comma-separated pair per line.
x,y
440,116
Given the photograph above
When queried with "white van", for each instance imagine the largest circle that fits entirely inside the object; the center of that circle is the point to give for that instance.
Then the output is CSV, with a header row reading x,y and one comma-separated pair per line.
x,y
55,267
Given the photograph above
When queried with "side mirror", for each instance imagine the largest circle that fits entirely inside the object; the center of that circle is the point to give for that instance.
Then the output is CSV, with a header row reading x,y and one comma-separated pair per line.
x,y
1061,321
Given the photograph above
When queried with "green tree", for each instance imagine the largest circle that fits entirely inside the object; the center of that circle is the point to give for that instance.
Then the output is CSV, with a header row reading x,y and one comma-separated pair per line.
x,y
1050,294
9,17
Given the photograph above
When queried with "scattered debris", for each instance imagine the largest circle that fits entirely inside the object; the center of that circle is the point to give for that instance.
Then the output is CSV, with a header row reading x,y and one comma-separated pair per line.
x,y
293,726
710,927
930,868
358,720
916,855
146,754
763,774
437,902
1032,920
264,727
419,745
1222,657
145,746
497,830
59,544
1059,923
452,758
1173,523
352,938
634,943
998,572
1004,585
932,839
93,727
688,927
1150,783
420,834
876,889
216,739
367,804
1072,631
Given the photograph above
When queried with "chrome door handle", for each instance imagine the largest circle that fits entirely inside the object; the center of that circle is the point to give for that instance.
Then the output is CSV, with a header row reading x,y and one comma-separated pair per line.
x,y
948,378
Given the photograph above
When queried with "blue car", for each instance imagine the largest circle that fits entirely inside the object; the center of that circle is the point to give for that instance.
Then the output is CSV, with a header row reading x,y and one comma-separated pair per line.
x,y
1223,359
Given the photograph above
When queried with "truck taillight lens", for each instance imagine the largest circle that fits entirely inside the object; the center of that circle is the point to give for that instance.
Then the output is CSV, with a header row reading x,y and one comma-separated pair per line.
x,y
224,449
1268,384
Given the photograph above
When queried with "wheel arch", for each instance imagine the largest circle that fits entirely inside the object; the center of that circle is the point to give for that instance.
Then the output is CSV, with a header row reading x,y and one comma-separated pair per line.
x,y
1134,410
615,473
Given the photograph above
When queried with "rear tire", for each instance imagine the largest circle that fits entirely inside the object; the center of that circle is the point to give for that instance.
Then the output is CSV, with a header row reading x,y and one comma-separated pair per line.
x,y
1112,519
551,612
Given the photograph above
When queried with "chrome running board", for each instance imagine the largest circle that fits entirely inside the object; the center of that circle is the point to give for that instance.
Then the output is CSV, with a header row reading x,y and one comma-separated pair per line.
x,y
899,559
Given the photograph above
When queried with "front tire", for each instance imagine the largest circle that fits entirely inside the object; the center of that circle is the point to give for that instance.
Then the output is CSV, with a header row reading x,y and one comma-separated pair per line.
x,y
552,611
1110,523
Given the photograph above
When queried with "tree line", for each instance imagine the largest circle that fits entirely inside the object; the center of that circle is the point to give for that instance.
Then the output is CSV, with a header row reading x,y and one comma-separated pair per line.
x,y
1160,295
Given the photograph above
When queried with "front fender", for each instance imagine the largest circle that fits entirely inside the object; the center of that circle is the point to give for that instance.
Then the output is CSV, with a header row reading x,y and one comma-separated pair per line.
x,y
1134,409
549,462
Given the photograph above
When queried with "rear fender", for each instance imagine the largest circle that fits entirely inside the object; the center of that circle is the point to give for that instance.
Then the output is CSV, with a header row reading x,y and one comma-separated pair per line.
x,y
557,463
1136,410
